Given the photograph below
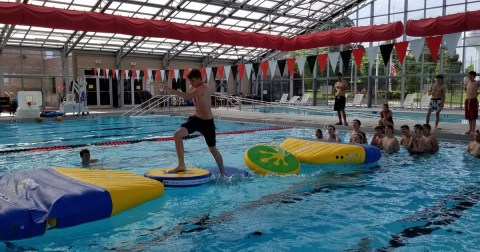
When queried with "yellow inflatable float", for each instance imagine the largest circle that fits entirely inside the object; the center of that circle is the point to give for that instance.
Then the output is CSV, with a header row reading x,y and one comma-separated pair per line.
x,y
321,152
265,159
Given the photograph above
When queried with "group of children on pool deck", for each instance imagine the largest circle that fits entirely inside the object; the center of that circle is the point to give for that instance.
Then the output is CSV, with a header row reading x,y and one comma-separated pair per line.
x,y
419,141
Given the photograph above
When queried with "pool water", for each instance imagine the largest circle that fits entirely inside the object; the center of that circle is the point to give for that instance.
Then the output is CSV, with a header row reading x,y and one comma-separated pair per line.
x,y
403,202
404,115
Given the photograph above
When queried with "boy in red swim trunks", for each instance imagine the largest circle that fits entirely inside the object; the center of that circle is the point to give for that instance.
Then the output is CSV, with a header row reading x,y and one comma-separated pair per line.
x,y
471,101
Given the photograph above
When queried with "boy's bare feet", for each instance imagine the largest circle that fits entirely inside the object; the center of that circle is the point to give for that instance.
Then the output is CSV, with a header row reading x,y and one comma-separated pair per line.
x,y
178,170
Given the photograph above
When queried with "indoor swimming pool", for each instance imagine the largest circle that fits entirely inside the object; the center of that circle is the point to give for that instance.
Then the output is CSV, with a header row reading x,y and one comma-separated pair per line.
x,y
402,202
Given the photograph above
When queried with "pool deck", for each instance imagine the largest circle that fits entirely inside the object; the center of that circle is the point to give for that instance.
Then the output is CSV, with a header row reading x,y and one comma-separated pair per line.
x,y
449,131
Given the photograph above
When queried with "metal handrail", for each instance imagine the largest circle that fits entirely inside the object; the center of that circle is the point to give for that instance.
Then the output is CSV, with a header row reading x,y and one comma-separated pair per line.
x,y
154,102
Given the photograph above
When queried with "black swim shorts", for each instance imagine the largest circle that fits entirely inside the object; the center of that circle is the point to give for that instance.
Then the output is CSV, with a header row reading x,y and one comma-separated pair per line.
x,y
340,102
205,127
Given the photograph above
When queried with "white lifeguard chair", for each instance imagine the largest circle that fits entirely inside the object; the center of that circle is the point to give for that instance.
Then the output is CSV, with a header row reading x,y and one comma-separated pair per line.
x,y
70,105
29,103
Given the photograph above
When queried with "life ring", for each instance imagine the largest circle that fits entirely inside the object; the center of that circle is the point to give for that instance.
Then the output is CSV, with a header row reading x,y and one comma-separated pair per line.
x,y
265,159
191,177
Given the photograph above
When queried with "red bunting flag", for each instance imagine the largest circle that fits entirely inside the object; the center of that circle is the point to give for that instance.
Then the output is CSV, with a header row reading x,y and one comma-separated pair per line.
x,y
291,66
401,48
203,71
95,71
158,76
145,74
322,61
123,74
171,74
220,70
134,74
434,44
358,56
114,74
185,73
264,66
241,70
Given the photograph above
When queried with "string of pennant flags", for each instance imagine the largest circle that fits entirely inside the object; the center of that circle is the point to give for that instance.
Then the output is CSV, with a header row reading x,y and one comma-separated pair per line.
x,y
450,42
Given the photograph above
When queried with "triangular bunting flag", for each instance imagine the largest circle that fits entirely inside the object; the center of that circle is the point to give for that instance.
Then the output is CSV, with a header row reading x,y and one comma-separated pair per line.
x,y
291,66
434,44
226,70
451,42
272,64
147,74
417,47
386,51
180,73
163,75
255,67
186,71
208,72
107,72
157,75
358,56
372,55
114,73
281,66
264,67
249,68
322,61
98,71
311,62
203,71
333,58
220,71
401,48
128,73
171,74
214,71
241,70
176,74
234,71
346,56
103,72
301,64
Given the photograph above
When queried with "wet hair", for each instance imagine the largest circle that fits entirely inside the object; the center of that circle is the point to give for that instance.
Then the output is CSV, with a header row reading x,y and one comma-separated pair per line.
x,y
405,127
389,126
385,105
473,73
359,123
379,128
439,76
331,126
360,135
418,126
426,125
194,74
83,151
339,74
319,131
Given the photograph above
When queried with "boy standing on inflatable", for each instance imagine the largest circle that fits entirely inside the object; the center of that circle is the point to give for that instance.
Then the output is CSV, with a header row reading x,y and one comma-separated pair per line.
x,y
201,121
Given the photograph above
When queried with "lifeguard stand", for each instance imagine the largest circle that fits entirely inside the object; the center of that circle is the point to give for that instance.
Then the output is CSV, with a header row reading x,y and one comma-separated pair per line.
x,y
79,105
29,103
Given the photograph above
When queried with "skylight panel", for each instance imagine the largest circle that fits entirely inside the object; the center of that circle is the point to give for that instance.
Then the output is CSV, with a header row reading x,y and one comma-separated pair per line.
x,y
144,16
147,45
256,15
116,42
267,4
56,5
212,8
148,10
22,27
201,17
122,13
18,35
122,36
184,15
243,23
58,38
162,2
242,13
195,6
129,7
173,41
178,21
237,28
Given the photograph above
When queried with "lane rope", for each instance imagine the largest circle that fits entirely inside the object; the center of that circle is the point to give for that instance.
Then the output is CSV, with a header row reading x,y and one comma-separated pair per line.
x,y
157,139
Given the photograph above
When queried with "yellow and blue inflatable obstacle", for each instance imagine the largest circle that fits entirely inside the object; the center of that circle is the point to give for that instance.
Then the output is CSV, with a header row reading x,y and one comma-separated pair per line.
x,y
64,197
322,152
266,159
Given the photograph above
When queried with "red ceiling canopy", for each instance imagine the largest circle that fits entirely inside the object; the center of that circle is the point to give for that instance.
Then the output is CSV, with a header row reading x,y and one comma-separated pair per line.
x,y
444,25
34,15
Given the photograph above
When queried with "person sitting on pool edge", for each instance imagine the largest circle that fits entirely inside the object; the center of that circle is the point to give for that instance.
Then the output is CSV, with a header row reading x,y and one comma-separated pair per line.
x,y
386,116
474,146
85,156
201,121
319,134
